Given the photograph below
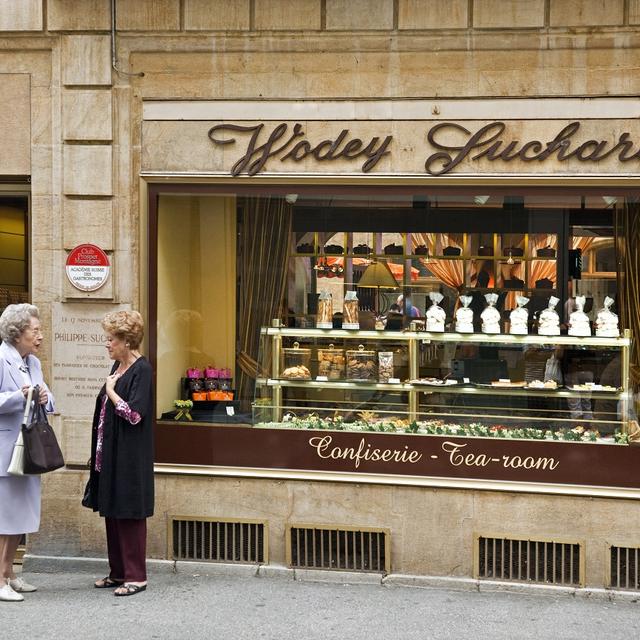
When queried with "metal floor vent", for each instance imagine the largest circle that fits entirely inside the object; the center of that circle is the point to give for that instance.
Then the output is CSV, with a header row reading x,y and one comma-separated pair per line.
x,y
239,541
624,568
535,561
342,549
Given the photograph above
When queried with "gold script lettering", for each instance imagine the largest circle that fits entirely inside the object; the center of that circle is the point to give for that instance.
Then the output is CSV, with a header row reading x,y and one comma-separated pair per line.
x,y
458,457
364,451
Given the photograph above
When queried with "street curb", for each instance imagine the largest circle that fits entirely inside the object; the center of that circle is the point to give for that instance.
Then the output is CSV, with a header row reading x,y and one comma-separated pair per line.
x,y
97,566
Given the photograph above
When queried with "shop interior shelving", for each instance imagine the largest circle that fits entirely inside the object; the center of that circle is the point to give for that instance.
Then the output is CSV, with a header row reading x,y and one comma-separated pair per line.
x,y
273,385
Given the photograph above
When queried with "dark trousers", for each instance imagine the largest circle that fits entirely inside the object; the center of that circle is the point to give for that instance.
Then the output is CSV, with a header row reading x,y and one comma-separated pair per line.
x,y
127,549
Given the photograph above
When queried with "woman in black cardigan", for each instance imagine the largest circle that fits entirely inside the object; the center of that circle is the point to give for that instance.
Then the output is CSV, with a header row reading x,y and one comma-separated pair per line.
x,y
121,480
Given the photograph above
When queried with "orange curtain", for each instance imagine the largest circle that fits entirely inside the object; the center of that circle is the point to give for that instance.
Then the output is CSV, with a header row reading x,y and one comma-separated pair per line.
x,y
449,272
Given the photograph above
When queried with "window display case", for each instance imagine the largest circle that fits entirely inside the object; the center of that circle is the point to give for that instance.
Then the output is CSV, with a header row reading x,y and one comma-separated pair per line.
x,y
506,382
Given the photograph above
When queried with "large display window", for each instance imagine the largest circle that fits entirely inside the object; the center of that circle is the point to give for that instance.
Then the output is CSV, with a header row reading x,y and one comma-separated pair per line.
x,y
399,311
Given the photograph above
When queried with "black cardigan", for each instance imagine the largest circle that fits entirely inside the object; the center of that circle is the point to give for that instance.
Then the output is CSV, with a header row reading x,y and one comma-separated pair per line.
x,y
124,486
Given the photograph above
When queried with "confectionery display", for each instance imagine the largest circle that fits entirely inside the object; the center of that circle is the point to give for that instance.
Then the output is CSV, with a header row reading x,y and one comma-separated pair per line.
x,y
452,251
297,373
362,250
421,250
485,251
539,384
361,364
490,316
507,384
464,316
513,251
549,321
385,366
305,247
296,363
435,382
333,249
607,321
592,386
350,318
578,320
546,252
331,363
436,315
394,250
324,317
519,318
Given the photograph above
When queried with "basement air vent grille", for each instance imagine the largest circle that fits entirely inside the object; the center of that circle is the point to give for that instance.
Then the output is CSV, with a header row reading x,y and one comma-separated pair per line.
x,y
624,568
218,540
342,549
535,561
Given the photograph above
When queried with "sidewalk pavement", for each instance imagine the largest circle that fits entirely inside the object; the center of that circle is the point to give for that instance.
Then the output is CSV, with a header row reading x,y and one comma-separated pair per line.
x,y
191,605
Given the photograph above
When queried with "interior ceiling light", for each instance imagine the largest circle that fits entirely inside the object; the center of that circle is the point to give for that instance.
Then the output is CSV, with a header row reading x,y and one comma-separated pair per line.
x,y
610,200
481,199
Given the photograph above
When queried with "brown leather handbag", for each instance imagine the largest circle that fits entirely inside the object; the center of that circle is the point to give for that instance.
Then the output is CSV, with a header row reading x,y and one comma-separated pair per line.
x,y
41,449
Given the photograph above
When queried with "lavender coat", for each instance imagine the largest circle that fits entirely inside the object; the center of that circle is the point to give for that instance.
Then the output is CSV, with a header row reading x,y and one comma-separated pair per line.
x,y
19,495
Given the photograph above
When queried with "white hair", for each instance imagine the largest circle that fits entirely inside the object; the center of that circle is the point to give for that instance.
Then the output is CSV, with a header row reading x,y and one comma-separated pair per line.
x,y
15,319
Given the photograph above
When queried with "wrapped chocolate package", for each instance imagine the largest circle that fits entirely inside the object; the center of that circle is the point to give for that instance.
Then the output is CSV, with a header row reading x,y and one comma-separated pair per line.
x,y
324,317
331,363
350,318
436,315
385,366
578,320
549,321
607,321
519,318
490,316
464,316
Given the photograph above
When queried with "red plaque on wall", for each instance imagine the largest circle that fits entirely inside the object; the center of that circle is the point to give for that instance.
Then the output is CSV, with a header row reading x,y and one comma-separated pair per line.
x,y
87,267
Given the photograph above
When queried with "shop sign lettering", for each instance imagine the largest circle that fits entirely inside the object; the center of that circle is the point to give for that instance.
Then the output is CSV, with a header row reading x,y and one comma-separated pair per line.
x,y
456,454
488,143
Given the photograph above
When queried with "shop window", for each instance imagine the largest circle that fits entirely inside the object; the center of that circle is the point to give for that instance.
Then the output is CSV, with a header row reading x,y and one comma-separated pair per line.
x,y
14,264
455,315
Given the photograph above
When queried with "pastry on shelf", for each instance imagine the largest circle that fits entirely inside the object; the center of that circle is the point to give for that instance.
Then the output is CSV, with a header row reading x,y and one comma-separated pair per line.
x,y
299,372
333,249
451,251
544,283
539,384
508,384
421,250
485,250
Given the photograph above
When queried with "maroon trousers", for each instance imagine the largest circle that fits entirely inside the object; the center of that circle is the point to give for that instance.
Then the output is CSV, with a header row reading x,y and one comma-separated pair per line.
x,y
127,549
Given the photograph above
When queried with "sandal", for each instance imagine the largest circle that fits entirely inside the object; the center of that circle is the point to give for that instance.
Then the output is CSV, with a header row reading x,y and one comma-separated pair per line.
x,y
108,583
130,589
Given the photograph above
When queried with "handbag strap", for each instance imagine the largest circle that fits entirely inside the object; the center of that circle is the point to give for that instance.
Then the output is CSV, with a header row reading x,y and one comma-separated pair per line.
x,y
27,407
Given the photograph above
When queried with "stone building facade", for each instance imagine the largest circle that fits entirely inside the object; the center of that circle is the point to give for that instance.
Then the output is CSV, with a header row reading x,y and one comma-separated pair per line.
x,y
86,141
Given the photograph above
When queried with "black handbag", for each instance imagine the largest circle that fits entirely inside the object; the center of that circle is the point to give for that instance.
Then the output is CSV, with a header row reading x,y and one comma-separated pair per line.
x,y
41,450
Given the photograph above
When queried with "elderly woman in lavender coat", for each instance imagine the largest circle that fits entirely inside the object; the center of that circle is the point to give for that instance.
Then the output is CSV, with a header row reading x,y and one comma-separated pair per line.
x,y
19,495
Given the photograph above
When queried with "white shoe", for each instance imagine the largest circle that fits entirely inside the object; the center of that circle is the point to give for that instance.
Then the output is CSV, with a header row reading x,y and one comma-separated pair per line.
x,y
20,586
7,594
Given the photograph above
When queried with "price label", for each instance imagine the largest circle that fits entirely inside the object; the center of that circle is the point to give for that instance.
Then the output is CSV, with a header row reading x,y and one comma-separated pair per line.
x,y
322,379
466,380
394,380
231,411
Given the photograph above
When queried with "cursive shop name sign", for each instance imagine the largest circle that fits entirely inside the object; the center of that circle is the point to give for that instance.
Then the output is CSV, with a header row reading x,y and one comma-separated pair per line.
x,y
490,142
455,454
